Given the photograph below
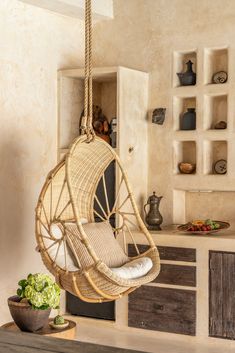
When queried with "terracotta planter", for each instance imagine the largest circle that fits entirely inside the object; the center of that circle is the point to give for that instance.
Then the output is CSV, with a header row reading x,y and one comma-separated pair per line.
x,y
26,318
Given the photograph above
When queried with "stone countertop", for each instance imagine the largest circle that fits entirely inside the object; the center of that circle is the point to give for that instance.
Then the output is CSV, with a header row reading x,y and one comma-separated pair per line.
x,y
170,236
172,231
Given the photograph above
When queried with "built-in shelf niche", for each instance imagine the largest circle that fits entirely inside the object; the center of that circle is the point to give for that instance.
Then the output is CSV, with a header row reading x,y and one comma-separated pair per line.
x,y
215,60
184,151
215,110
218,205
179,64
203,204
72,104
180,106
214,151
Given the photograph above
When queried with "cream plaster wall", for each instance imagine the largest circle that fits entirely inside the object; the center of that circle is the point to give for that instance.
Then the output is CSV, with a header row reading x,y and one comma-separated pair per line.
x,y
143,35
34,44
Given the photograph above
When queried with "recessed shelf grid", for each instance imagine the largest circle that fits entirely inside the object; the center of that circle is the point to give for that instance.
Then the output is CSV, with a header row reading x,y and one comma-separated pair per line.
x,y
215,110
184,151
213,151
180,58
215,60
180,106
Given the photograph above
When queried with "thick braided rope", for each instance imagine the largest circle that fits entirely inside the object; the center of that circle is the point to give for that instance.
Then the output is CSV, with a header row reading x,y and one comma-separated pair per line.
x,y
86,127
90,115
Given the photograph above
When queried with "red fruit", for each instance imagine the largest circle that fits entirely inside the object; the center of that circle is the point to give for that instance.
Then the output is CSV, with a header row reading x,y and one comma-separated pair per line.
x,y
208,227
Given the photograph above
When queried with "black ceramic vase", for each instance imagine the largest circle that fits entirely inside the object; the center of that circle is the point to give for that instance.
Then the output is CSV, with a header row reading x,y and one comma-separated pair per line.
x,y
189,120
187,78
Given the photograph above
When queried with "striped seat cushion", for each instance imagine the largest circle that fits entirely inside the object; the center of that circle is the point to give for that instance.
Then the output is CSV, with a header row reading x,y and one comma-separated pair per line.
x,y
101,238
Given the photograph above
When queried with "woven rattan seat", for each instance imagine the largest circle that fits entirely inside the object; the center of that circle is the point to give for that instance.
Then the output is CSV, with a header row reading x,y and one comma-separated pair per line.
x,y
69,195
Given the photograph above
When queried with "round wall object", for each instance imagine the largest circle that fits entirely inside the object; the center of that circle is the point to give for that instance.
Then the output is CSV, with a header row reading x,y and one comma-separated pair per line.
x,y
220,77
220,167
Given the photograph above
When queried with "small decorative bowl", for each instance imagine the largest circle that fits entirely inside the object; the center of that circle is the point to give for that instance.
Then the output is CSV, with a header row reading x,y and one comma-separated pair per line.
x,y
59,326
187,168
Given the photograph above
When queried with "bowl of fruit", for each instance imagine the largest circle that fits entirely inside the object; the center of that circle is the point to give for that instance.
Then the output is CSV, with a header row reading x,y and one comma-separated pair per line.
x,y
203,227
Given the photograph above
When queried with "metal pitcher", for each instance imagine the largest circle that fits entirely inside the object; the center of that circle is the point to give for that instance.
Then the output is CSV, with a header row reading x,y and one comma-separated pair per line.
x,y
153,217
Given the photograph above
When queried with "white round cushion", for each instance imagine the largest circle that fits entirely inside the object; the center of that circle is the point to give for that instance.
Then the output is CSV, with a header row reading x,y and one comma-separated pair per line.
x,y
134,269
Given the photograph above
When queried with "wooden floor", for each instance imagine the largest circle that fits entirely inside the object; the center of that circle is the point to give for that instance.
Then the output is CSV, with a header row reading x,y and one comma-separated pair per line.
x,y
105,333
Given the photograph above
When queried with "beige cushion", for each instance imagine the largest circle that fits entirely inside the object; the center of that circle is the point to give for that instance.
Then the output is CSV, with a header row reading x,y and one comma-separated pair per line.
x,y
103,242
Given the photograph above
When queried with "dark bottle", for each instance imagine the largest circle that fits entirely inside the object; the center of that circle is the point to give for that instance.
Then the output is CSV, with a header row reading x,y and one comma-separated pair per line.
x,y
189,120
187,78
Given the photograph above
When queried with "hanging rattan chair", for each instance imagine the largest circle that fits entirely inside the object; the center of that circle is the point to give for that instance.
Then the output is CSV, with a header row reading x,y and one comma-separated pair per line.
x,y
74,213
67,199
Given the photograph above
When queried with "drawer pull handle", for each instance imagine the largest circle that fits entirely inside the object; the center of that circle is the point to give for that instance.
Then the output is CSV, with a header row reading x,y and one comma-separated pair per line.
x,y
158,307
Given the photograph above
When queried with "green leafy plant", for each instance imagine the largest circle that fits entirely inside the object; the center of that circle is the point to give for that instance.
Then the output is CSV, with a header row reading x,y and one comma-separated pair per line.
x,y
40,291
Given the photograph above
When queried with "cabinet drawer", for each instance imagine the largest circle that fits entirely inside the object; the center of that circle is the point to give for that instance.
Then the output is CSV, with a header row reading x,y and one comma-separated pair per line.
x,y
168,252
163,309
177,274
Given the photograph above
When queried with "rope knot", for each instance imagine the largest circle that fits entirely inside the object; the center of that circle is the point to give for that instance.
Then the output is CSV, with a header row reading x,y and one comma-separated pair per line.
x,y
90,134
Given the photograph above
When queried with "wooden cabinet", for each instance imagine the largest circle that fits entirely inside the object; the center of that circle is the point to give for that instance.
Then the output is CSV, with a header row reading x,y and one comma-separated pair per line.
x,y
222,294
158,308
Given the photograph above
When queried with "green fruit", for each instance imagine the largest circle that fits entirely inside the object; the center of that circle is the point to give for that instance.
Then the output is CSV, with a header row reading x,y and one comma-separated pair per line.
x,y
59,320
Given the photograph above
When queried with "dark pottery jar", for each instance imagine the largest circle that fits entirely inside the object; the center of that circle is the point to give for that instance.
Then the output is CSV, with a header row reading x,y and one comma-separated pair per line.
x,y
187,78
25,317
153,218
189,120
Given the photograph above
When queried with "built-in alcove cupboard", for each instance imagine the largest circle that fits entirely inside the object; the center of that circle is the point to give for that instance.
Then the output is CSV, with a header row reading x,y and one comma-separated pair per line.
x,y
122,93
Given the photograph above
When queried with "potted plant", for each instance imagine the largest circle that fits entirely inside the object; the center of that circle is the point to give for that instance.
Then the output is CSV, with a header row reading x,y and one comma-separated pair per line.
x,y
36,296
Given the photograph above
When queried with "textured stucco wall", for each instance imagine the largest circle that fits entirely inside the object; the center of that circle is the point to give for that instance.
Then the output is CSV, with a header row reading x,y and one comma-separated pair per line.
x,y
143,35
34,44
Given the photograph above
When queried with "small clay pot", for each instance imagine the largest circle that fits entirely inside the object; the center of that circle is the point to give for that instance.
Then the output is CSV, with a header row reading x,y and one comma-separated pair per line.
x,y
221,125
187,168
25,317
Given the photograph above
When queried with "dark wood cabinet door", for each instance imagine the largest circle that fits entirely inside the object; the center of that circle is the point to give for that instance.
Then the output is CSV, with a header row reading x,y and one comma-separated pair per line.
x,y
163,309
222,294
